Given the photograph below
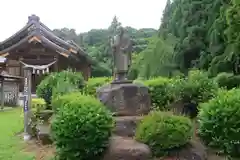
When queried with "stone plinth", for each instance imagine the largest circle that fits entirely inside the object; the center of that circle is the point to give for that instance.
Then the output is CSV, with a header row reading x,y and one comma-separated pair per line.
x,y
192,151
125,99
126,125
43,134
127,149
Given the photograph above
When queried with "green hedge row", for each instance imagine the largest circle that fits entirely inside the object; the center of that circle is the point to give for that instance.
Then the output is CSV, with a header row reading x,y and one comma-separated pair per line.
x,y
219,114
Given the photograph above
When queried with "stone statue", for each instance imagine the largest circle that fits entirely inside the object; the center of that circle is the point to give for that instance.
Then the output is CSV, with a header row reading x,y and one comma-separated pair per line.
x,y
121,46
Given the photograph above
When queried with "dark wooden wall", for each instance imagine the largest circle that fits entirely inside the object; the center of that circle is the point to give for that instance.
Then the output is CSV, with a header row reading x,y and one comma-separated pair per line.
x,y
14,67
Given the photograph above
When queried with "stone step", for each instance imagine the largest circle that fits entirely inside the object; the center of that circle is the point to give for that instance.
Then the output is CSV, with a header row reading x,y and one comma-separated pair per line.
x,y
43,134
122,148
126,125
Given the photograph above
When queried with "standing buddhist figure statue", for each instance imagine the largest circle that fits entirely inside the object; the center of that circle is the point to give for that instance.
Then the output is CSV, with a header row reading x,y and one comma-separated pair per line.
x,y
121,45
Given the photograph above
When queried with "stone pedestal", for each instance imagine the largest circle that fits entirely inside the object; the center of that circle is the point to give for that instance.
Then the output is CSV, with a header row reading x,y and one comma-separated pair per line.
x,y
125,99
127,149
128,102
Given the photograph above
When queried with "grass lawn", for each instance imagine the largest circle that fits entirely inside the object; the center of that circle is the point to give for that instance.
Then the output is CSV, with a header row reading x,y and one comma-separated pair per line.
x,y
11,145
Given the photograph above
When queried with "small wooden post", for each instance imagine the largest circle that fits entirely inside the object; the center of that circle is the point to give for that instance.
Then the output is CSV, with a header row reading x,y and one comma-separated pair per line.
x,y
2,94
56,64
27,101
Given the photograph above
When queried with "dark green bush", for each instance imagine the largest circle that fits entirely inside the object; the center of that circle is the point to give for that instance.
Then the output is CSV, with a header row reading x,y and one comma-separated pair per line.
x,y
228,80
160,91
219,124
162,132
62,100
81,128
197,87
45,88
63,87
93,83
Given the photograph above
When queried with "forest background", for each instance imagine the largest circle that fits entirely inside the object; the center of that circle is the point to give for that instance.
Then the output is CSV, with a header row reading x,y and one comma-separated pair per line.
x,y
202,34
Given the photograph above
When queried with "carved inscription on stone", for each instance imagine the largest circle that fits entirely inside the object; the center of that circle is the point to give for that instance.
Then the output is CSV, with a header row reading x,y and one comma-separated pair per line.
x,y
121,100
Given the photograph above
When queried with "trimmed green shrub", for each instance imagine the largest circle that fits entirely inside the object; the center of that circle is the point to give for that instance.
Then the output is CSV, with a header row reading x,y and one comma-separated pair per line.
x,y
45,88
163,131
62,100
81,128
63,87
197,87
160,91
228,80
219,124
94,83
37,106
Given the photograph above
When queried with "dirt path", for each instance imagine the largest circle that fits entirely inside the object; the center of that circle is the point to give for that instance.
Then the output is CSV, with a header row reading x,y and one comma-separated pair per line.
x,y
41,152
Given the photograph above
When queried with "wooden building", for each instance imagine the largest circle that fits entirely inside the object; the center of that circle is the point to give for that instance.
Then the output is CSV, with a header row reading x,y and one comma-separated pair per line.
x,y
36,44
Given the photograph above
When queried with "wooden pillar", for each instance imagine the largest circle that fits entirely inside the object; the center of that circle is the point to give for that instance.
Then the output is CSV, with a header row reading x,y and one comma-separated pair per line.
x,y
21,75
17,82
55,65
2,93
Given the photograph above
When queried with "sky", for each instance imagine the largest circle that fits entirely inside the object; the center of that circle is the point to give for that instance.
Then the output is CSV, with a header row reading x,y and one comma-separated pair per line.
x,y
82,15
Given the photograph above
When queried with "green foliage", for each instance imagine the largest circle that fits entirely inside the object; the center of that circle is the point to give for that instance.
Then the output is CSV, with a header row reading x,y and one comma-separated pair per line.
x,y
196,88
94,83
81,128
63,87
228,80
62,100
157,59
96,43
207,33
37,106
163,131
160,91
101,69
219,124
45,88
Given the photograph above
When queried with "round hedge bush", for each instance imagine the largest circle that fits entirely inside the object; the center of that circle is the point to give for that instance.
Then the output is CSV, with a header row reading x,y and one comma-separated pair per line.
x,y
197,87
228,80
81,128
93,83
45,88
160,91
219,124
163,131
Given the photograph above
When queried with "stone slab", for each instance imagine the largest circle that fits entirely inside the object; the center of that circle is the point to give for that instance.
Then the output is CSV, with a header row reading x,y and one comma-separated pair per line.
x,y
127,149
126,99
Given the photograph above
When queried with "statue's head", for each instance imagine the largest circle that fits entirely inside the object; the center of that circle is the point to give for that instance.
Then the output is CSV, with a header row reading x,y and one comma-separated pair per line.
x,y
120,30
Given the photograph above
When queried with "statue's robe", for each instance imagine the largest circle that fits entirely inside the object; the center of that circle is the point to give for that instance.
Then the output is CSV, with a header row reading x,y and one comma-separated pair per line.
x,y
121,53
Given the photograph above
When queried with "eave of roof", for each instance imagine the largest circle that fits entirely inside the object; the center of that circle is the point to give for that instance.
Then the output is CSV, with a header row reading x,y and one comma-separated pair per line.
x,y
35,28
40,39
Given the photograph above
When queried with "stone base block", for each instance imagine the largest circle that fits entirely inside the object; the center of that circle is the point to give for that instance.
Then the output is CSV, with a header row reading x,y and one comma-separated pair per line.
x,y
127,149
192,151
43,134
126,125
126,99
